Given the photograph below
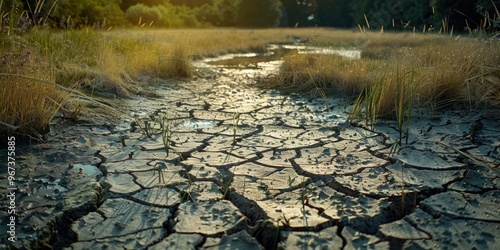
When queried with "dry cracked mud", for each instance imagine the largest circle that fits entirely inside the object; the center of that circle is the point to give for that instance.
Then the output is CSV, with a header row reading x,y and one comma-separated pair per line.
x,y
254,169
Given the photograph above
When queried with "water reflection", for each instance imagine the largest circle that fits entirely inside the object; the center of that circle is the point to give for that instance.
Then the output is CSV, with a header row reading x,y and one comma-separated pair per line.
x,y
275,54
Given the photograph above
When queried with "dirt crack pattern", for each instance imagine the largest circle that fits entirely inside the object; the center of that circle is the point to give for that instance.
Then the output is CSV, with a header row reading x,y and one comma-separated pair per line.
x,y
215,163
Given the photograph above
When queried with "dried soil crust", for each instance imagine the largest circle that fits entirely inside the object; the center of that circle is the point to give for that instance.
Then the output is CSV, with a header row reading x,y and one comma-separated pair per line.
x,y
292,174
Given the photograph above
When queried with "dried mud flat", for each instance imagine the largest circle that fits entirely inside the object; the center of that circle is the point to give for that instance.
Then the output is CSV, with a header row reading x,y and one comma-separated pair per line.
x,y
292,174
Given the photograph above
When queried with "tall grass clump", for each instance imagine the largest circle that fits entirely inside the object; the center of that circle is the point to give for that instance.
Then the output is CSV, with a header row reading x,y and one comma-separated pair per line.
x,y
147,54
328,73
445,71
464,71
82,59
29,98
99,62
170,62
399,70
40,68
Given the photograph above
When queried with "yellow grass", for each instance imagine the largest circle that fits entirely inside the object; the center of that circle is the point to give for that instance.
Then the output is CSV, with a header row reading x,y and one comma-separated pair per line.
x,y
332,74
111,60
447,70
213,42
28,103
102,61
443,71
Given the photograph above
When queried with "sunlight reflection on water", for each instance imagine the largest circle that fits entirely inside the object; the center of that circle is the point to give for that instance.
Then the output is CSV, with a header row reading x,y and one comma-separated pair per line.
x,y
199,124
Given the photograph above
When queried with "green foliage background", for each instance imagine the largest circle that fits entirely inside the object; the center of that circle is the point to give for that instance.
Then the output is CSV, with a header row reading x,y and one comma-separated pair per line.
x,y
404,14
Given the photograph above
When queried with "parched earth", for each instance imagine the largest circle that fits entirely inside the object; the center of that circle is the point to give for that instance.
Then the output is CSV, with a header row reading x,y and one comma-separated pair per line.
x,y
253,169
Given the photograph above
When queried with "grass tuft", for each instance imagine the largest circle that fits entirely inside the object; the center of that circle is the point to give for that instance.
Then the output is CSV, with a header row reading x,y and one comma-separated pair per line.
x,y
437,70
329,73
28,102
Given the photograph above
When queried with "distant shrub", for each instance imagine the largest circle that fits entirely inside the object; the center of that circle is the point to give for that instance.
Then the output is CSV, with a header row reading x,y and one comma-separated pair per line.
x,y
187,16
73,13
141,14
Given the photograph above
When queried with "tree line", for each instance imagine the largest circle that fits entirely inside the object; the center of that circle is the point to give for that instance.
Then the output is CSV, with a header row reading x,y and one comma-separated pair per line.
x,y
375,14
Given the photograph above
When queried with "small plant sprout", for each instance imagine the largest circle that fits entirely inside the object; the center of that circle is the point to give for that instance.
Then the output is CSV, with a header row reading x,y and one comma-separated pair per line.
x,y
305,192
226,185
144,125
405,88
186,194
264,186
236,119
291,181
160,167
402,189
285,221
166,131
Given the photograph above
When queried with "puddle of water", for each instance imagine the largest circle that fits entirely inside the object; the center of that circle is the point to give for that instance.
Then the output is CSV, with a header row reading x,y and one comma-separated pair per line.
x,y
122,127
199,124
350,54
276,53
302,49
250,60
229,57
86,169
139,114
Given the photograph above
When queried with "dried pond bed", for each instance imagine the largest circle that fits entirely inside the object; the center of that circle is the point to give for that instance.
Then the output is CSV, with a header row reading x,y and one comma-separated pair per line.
x,y
254,169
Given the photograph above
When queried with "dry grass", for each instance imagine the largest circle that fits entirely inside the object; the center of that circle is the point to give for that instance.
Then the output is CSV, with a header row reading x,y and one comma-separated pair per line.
x,y
34,64
441,71
447,70
214,42
28,103
108,60
82,59
330,74
458,71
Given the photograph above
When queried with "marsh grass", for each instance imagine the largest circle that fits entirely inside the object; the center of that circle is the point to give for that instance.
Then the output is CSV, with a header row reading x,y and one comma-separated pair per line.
x,y
366,107
202,43
175,64
29,101
82,60
398,70
405,88
305,73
